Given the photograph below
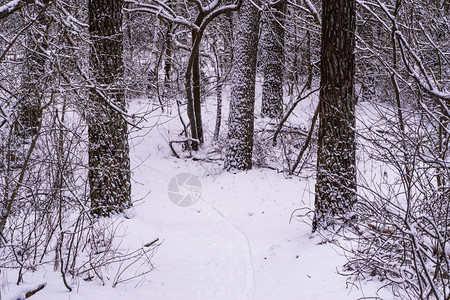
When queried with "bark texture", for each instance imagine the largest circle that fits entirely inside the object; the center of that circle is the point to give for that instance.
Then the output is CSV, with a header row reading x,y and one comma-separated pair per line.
x,y
193,90
109,163
273,54
336,170
34,81
242,103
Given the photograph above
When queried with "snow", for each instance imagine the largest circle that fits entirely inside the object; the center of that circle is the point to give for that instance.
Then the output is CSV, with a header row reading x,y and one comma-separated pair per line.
x,y
8,7
20,292
237,242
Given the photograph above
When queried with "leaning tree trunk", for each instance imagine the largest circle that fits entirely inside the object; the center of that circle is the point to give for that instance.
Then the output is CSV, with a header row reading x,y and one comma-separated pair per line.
x,y
336,163
193,90
273,49
109,162
241,118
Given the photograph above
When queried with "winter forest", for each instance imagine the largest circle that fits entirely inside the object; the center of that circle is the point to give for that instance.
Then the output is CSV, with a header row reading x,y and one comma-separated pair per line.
x,y
224,149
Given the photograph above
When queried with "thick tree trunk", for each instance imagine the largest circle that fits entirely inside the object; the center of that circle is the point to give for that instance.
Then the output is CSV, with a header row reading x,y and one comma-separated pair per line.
x,y
336,169
273,44
241,118
109,163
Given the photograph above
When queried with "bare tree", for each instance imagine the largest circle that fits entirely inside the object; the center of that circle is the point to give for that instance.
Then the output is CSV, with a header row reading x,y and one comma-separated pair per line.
x,y
242,103
34,78
402,215
223,59
336,170
272,46
199,15
22,108
109,162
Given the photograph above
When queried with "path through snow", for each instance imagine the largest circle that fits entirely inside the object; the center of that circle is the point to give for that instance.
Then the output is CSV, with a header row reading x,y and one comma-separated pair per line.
x,y
236,243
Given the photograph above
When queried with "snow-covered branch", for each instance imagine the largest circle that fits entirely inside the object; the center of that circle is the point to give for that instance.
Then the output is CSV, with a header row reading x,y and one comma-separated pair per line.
x,y
12,6
424,81
162,10
26,291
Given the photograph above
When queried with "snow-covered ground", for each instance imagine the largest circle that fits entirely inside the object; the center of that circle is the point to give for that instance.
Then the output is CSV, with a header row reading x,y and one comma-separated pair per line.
x,y
237,242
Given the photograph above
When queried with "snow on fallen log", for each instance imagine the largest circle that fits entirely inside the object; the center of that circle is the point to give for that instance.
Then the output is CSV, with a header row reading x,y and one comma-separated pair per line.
x,y
25,291
10,7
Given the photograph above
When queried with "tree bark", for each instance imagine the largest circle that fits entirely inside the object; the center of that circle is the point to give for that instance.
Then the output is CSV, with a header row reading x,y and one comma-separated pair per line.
x,y
168,57
273,44
219,89
336,162
193,90
197,96
109,162
33,80
241,118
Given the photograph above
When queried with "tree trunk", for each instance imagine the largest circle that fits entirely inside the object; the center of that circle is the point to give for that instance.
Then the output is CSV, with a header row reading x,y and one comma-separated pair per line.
x,y
308,60
109,162
273,44
223,68
168,46
336,163
193,91
22,143
241,118
219,88
197,96
33,81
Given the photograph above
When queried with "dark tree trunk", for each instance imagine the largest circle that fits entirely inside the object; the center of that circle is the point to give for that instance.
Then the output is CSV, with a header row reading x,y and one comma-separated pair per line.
x,y
242,103
193,90
109,163
273,44
33,81
336,169
219,89
308,60
168,56
193,100
368,88
197,96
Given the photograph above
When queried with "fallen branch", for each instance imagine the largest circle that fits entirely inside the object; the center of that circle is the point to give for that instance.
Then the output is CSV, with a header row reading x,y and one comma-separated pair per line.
x,y
286,131
25,291
180,142
37,288
11,7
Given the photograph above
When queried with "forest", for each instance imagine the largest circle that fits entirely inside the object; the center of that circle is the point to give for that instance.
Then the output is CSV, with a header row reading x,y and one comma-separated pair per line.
x,y
225,149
